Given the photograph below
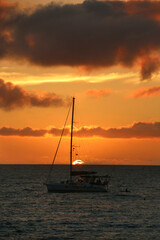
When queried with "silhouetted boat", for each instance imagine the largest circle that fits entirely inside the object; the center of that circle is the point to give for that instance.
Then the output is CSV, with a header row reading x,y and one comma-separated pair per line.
x,y
79,181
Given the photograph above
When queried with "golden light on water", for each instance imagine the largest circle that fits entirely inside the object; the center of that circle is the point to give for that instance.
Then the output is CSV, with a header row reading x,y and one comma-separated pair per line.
x,y
78,162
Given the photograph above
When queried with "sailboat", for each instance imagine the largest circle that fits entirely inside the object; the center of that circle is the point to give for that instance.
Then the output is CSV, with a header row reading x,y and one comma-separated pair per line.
x,y
79,181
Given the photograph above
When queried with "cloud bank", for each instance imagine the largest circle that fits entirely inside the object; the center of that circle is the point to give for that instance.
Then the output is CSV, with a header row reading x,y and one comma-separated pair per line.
x,y
138,130
24,132
92,34
13,96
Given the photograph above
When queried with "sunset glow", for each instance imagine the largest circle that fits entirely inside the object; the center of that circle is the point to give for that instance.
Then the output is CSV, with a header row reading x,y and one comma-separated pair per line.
x,y
108,59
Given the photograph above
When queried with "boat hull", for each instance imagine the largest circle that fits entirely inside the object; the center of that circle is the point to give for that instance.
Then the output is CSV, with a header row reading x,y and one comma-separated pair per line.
x,y
71,187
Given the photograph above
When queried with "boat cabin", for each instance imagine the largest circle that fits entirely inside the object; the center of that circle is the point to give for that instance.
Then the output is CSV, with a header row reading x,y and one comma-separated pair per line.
x,y
96,180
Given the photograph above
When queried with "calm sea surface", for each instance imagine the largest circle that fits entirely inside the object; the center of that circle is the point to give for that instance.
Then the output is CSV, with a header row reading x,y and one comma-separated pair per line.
x,y
28,211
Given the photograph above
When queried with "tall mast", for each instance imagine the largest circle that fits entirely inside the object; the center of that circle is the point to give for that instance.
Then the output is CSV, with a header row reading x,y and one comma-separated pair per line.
x,y
71,146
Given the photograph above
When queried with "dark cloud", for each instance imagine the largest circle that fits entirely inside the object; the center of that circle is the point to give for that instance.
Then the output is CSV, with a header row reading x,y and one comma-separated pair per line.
x,y
13,96
6,8
25,132
149,66
139,130
143,8
93,34
58,131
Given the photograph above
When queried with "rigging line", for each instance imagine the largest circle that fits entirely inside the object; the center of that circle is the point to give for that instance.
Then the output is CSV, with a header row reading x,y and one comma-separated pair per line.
x,y
58,145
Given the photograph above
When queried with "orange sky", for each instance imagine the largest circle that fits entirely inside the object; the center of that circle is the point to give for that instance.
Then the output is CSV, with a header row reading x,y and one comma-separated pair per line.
x,y
117,91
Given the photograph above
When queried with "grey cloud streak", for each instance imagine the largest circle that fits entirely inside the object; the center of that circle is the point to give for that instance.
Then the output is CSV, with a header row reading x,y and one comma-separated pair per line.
x,y
24,132
139,130
93,33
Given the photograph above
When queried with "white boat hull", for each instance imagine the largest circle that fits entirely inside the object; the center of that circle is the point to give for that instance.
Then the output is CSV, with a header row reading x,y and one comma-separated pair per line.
x,y
75,187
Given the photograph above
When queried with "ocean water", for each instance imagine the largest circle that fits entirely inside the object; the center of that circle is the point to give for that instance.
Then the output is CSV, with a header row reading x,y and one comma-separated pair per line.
x,y
28,211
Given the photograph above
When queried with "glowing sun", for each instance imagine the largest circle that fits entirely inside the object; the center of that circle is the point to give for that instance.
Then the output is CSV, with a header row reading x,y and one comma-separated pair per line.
x,y
78,162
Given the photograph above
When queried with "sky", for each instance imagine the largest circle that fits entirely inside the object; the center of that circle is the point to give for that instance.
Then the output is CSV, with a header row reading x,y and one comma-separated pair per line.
x,y
104,53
